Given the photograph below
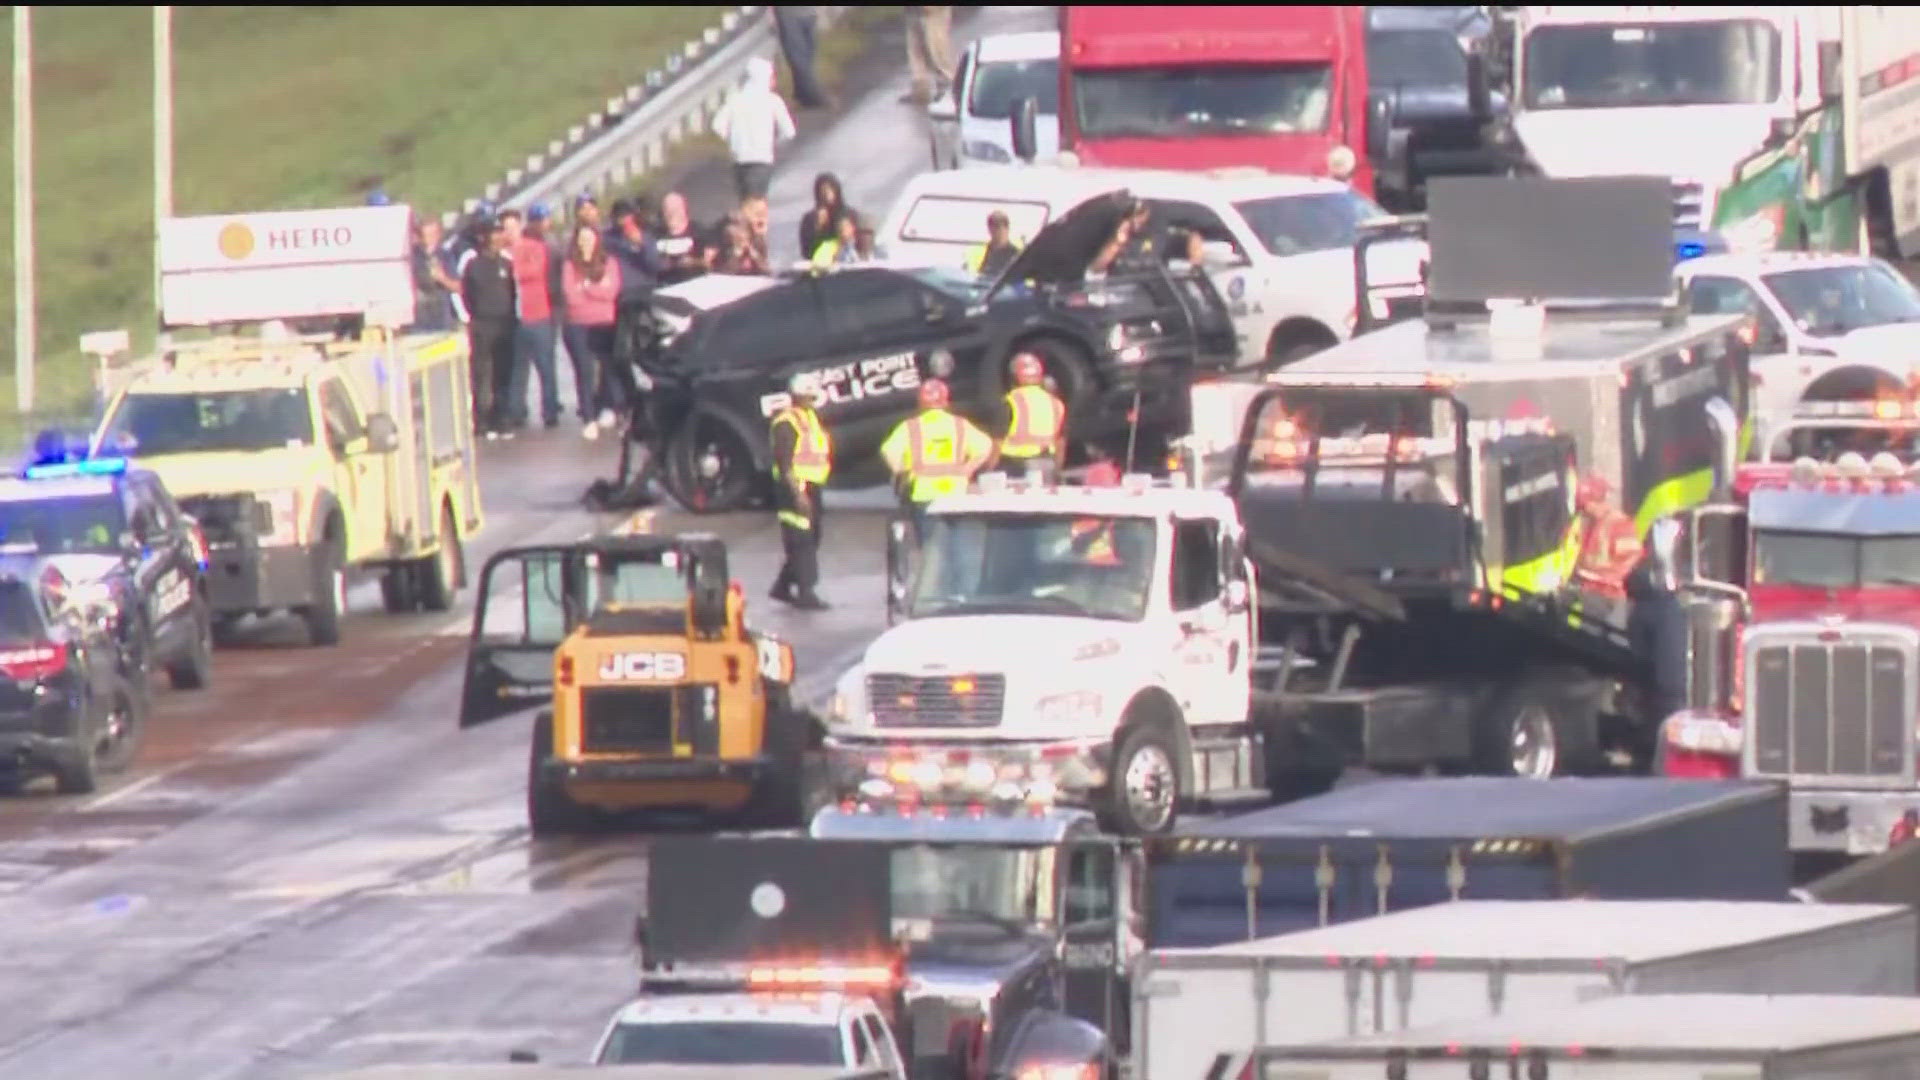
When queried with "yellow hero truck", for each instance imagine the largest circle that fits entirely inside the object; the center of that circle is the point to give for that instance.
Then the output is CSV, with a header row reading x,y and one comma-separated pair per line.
x,y
306,458
662,698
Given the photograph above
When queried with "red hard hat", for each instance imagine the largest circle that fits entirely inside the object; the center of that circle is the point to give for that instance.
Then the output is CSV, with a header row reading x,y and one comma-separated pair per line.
x,y
1593,489
1027,369
933,394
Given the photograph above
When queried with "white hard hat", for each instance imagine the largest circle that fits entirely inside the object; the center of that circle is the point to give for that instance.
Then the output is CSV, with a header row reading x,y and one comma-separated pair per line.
x,y
804,384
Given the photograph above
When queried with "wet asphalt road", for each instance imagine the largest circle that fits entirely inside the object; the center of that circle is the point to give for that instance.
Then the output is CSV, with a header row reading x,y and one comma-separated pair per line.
x,y
311,868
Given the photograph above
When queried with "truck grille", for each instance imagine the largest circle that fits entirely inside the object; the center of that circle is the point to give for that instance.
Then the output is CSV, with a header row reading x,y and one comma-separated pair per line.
x,y
1830,709
936,700
224,519
1689,204
627,719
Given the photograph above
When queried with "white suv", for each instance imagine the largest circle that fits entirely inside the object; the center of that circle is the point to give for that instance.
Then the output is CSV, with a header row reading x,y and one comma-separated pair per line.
x,y
751,1031
974,124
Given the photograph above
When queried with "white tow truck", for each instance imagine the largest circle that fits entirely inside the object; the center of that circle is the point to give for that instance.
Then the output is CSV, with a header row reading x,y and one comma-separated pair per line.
x,y
1052,635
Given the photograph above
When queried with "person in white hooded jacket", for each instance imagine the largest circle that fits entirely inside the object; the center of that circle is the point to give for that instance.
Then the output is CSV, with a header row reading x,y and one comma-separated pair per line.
x,y
754,122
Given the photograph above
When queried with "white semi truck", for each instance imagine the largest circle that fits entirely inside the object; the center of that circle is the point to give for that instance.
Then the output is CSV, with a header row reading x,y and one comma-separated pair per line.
x,y
1472,959
1786,126
1655,1037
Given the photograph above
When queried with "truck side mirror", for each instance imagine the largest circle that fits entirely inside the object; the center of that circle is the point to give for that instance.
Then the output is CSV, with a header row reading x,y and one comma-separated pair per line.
x,y
899,552
1026,123
1379,126
1237,597
383,435
1479,92
1830,73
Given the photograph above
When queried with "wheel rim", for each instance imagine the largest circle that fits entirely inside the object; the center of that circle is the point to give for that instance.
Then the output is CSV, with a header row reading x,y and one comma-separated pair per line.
x,y
113,734
717,464
1536,750
1148,786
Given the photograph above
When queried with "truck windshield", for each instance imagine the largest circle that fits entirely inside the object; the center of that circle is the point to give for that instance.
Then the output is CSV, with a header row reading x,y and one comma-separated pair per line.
x,y
967,881
1157,102
1829,301
744,1043
238,420
1828,561
1647,65
1298,224
1000,85
83,526
1034,564
1415,58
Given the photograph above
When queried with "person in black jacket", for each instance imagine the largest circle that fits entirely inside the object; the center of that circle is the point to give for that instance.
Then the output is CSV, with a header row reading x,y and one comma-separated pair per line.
x,y
1657,631
492,302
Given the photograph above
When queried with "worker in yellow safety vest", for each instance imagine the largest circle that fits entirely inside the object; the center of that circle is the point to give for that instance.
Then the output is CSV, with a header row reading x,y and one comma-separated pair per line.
x,y
934,452
1036,423
802,461
988,259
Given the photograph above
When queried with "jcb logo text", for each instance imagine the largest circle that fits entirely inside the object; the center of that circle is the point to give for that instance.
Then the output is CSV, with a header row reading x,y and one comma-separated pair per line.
x,y
643,667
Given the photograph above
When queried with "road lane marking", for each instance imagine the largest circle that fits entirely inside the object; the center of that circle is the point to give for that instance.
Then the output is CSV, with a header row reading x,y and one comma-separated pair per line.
x,y
137,786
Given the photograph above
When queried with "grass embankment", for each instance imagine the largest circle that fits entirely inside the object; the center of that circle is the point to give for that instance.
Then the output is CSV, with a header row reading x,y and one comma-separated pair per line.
x,y
282,108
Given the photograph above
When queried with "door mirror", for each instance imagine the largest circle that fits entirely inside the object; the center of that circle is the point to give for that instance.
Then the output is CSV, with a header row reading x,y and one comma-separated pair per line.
x,y
1219,254
899,567
383,435
1479,91
1769,339
1380,112
1026,125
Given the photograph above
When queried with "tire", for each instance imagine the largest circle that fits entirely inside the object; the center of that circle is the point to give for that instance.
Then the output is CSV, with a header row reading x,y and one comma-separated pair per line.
x,y
710,466
1536,731
195,670
323,616
550,810
128,715
397,590
439,575
1154,802
78,771
780,799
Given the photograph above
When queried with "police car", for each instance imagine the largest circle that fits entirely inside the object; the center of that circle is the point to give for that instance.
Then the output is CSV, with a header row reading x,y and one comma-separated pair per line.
x,y
1117,346
119,542
66,705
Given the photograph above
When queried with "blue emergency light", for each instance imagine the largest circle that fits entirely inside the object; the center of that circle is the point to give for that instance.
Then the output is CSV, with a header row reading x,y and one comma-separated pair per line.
x,y
54,470
1693,243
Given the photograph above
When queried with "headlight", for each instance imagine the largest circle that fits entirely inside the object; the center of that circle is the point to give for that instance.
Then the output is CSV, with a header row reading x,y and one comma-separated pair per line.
x,y
1699,734
1341,162
1079,707
981,150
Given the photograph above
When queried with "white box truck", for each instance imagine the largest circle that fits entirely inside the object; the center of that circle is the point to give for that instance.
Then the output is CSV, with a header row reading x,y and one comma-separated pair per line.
x,y
1652,1037
1472,959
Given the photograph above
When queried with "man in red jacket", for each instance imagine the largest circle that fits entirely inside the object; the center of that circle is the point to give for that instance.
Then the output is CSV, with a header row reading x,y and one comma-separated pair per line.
x,y
534,342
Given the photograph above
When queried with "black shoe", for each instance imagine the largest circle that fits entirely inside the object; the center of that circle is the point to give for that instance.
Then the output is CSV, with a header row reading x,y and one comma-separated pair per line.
x,y
782,593
552,422
809,602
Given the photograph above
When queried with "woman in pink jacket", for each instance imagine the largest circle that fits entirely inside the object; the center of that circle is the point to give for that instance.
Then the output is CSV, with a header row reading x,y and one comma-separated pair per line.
x,y
590,282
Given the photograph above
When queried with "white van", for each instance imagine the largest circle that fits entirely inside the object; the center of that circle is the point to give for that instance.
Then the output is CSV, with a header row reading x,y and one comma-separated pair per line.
x,y
1279,248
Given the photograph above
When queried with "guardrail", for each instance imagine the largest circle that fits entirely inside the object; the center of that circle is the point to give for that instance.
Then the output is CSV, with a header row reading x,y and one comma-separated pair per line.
x,y
638,128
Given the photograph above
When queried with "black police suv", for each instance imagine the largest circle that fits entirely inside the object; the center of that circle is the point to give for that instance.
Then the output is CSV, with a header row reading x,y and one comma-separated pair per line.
x,y
116,535
1117,346
69,703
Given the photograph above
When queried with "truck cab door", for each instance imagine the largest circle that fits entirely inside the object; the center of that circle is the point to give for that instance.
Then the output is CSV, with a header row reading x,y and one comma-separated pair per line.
x,y
1209,659
360,473
529,599
1093,928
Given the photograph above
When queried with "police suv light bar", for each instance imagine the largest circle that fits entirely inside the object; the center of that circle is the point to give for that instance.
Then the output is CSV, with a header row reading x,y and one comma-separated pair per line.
x,y
791,976
1870,409
65,469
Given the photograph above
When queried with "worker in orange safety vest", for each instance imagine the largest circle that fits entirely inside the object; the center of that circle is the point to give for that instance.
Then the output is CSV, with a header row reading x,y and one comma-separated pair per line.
x,y
1609,544
1036,423
934,452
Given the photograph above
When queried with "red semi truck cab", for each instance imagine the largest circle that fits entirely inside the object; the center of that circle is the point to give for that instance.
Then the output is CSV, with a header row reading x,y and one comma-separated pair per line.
x,y
1821,657
1176,87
